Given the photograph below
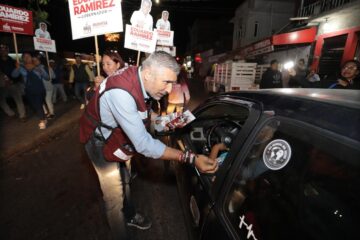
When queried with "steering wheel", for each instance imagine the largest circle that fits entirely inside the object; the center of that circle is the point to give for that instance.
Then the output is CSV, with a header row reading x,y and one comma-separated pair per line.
x,y
223,131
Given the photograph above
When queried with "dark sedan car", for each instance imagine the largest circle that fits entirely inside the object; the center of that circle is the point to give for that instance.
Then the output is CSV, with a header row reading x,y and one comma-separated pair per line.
x,y
291,169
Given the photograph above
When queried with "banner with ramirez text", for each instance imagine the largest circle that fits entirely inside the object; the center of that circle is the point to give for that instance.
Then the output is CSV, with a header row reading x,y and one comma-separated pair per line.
x,y
96,17
15,20
44,44
165,38
140,39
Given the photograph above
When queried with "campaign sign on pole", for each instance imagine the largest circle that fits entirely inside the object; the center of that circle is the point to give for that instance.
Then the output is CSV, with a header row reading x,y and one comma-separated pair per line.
x,y
96,17
15,20
140,39
165,38
169,50
44,44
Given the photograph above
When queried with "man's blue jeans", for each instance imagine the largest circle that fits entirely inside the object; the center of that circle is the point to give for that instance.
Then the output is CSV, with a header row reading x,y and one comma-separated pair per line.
x,y
114,182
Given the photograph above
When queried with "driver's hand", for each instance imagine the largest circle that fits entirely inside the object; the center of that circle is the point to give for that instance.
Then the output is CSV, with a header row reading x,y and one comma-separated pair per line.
x,y
220,147
205,164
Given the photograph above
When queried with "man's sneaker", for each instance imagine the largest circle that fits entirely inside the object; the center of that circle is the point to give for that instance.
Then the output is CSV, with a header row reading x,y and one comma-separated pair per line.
x,y
139,222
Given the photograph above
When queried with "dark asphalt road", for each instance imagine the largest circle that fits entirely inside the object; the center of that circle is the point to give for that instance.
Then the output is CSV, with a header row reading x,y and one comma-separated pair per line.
x,y
52,193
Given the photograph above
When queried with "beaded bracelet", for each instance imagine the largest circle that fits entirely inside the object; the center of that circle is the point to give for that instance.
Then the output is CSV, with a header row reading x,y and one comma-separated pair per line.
x,y
187,157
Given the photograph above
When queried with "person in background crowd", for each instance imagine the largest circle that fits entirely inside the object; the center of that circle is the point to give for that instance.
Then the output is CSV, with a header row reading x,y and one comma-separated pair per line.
x,y
179,95
34,86
272,78
40,63
81,74
114,127
350,77
313,79
298,75
57,82
92,64
12,87
163,23
142,18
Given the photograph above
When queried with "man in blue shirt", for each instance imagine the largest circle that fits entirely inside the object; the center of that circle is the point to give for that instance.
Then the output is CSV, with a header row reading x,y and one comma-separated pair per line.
x,y
119,110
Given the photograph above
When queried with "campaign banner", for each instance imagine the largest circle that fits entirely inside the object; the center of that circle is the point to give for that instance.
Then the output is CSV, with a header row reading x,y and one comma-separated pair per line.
x,y
44,44
15,20
140,39
169,50
165,38
96,17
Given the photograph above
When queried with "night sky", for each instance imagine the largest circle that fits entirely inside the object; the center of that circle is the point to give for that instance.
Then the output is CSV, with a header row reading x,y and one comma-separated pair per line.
x,y
182,16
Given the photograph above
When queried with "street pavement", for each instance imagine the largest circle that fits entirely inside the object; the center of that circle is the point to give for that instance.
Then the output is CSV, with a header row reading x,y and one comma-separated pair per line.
x,y
49,190
19,137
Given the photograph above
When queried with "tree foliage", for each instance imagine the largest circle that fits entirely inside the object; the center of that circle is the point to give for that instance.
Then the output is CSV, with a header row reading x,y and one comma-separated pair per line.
x,y
40,15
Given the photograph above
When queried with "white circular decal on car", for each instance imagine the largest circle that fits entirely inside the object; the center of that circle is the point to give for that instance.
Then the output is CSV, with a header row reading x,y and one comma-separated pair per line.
x,y
277,154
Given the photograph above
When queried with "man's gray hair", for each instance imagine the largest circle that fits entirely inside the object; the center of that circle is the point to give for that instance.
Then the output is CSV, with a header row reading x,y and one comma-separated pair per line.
x,y
149,2
161,59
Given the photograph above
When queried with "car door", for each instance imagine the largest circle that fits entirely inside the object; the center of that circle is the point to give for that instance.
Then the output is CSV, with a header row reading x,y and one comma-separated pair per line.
x,y
196,190
292,181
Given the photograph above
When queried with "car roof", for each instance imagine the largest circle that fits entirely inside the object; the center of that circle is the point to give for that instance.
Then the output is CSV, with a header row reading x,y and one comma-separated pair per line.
x,y
334,110
348,98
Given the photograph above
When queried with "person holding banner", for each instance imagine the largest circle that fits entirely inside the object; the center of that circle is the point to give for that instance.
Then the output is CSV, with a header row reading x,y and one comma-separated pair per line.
x,y
163,23
142,18
114,127
34,86
111,62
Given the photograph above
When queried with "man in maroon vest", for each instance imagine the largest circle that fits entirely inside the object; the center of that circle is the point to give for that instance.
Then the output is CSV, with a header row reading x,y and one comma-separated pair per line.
x,y
113,127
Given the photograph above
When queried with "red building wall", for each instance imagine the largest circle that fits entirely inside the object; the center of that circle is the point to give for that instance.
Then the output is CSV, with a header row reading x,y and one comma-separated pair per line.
x,y
350,45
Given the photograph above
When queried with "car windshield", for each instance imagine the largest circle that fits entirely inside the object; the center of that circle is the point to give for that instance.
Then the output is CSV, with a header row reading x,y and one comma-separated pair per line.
x,y
229,111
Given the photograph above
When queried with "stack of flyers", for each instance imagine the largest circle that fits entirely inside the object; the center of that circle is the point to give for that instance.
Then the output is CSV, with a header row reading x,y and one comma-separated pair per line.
x,y
172,121
160,123
181,120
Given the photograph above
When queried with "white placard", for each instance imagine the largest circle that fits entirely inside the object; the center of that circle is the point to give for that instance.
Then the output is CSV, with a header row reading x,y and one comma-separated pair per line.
x,y
165,38
96,17
169,50
44,44
140,39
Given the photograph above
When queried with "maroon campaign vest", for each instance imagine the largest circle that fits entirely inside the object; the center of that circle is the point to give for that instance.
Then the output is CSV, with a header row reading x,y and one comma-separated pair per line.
x,y
117,147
